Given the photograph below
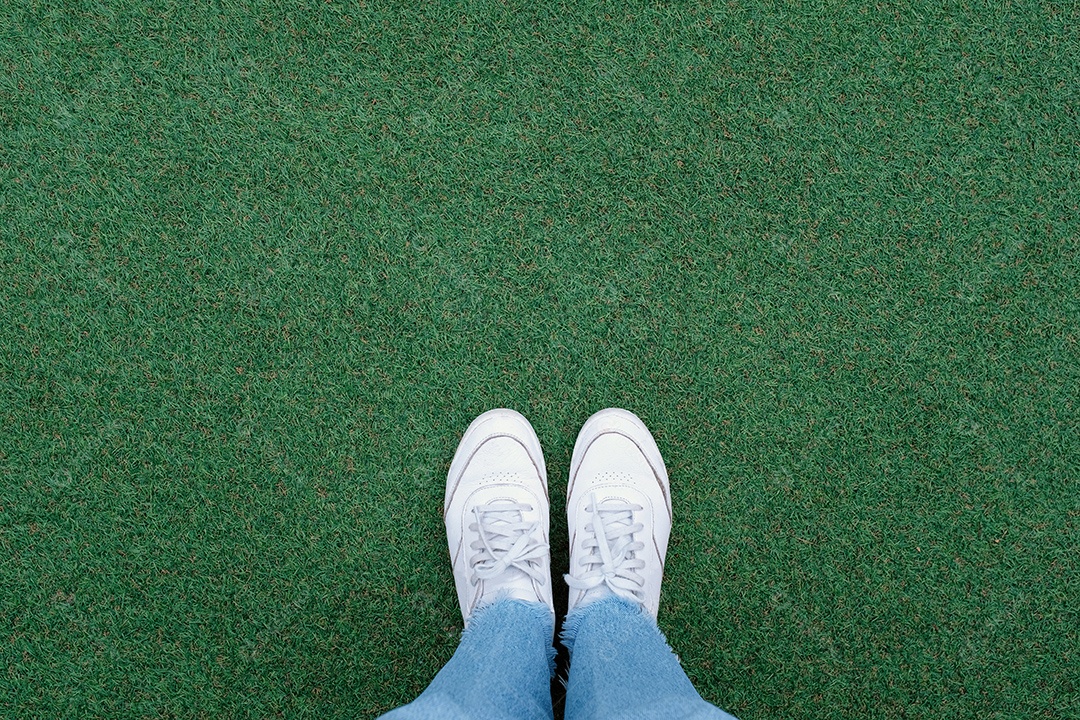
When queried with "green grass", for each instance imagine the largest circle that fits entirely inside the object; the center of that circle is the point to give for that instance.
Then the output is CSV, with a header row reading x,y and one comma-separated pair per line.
x,y
261,263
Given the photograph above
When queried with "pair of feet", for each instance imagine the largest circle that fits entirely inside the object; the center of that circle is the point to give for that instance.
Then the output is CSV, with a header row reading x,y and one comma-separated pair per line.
x,y
618,509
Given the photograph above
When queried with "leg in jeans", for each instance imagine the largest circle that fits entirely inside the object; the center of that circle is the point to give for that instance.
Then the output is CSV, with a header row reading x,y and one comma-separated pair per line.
x,y
496,513
621,667
618,510
501,670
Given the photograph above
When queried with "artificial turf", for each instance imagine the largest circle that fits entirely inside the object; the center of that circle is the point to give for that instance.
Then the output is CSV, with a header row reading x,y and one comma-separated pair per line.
x,y
262,262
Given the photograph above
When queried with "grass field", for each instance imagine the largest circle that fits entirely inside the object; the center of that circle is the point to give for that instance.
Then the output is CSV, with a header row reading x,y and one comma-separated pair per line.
x,y
262,262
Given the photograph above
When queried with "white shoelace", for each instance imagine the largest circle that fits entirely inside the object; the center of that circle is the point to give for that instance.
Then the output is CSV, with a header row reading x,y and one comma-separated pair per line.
x,y
611,560
506,541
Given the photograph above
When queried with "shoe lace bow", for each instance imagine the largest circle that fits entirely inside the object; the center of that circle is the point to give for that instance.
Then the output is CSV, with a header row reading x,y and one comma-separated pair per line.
x,y
611,558
506,541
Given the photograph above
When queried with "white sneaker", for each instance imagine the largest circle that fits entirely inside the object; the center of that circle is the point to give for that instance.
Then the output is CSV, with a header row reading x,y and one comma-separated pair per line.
x,y
497,513
618,508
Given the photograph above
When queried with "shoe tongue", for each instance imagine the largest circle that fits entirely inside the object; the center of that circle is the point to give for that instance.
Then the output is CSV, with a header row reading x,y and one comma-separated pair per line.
x,y
597,593
612,503
502,508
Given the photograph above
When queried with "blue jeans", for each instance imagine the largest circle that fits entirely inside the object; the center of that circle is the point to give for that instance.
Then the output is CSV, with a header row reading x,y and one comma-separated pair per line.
x,y
620,667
